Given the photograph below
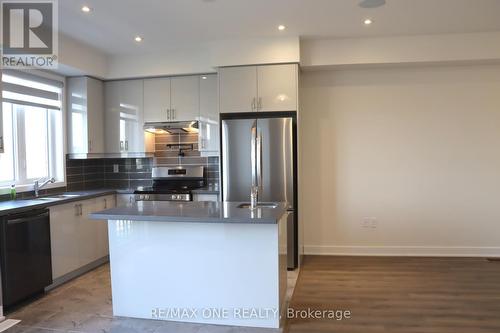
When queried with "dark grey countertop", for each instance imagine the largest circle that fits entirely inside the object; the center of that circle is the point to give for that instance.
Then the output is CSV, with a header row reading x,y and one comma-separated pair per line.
x,y
19,205
15,206
194,211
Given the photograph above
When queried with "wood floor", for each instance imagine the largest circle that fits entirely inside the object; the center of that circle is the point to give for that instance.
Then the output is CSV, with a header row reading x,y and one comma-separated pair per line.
x,y
403,295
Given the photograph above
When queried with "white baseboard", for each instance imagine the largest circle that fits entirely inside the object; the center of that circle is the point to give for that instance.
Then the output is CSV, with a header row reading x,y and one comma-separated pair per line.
x,y
408,251
6,324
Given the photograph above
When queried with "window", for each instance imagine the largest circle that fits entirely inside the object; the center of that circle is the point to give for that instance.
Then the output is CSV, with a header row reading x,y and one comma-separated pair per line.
x,y
33,129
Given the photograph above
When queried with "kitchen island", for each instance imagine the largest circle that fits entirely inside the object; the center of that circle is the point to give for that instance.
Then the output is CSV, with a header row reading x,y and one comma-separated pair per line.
x,y
198,262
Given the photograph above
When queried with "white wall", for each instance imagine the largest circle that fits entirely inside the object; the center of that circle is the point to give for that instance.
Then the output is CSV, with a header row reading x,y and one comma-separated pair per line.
x,y
471,47
76,58
204,58
178,61
416,148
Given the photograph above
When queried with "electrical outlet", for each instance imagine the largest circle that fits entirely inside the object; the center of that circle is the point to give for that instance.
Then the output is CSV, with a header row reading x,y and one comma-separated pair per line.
x,y
116,168
369,223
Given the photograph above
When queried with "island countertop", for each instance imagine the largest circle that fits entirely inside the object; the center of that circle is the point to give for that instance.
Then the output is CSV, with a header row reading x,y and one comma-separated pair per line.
x,y
193,211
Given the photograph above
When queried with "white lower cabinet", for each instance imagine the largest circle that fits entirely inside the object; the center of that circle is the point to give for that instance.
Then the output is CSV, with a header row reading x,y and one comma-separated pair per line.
x,y
77,241
64,221
123,200
102,203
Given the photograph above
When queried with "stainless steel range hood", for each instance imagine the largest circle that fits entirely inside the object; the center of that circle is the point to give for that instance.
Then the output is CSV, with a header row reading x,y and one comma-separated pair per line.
x,y
173,127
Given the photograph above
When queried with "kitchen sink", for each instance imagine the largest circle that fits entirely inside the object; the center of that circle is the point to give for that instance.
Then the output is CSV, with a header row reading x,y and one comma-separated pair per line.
x,y
55,197
259,205
64,196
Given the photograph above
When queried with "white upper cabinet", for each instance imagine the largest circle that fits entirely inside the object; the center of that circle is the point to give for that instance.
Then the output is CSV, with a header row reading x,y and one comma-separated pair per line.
x,y
258,88
238,89
277,87
157,100
171,99
86,115
95,112
124,116
209,117
184,97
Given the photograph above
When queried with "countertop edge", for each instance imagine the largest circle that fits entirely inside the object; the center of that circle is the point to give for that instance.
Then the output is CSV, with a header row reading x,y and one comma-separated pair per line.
x,y
46,204
206,192
181,219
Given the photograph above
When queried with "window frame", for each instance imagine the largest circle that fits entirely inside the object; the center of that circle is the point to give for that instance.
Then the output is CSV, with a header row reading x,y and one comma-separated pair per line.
x,y
22,183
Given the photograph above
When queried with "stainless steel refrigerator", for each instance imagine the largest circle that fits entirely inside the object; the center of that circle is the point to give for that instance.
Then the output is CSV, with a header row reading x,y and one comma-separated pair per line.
x,y
260,149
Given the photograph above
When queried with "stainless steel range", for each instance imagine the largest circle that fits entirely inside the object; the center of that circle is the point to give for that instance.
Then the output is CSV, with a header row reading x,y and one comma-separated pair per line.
x,y
172,184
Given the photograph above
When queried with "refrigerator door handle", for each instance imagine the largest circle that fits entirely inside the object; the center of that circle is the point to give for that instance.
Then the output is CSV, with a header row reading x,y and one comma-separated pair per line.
x,y
259,162
253,154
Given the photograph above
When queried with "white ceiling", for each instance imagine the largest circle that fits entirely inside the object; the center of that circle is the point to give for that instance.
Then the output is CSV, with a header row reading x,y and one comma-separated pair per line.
x,y
112,24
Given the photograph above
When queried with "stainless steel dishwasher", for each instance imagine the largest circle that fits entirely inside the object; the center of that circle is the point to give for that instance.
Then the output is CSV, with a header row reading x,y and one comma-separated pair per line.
x,y
25,255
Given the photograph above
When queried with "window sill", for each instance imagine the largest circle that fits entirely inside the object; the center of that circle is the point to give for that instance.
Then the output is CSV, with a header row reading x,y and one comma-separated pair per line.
x,y
27,188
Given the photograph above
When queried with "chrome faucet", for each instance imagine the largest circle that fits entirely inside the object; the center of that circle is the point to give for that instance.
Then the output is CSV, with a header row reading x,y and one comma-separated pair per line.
x,y
37,186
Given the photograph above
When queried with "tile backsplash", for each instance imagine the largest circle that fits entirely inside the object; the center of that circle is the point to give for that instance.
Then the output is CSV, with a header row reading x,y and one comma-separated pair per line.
x,y
165,156
125,173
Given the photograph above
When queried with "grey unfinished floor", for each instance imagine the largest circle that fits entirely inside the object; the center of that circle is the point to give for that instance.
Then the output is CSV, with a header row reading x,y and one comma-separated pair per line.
x,y
84,305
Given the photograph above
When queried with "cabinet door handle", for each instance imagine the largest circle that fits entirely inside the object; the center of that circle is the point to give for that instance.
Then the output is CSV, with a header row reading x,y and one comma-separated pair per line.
x,y
259,104
168,114
1,144
174,114
126,145
121,145
253,104
105,203
78,210
90,146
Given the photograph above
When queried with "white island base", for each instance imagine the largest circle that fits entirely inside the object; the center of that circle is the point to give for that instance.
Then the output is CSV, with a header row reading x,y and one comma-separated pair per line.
x,y
213,273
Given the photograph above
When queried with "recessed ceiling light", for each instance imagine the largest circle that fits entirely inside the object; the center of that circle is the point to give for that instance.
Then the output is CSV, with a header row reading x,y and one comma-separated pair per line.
x,y
86,9
203,77
138,39
367,22
281,27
